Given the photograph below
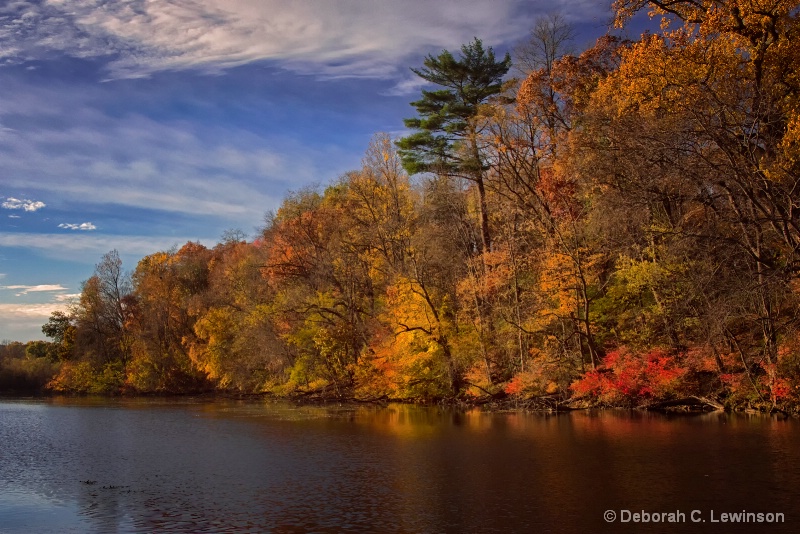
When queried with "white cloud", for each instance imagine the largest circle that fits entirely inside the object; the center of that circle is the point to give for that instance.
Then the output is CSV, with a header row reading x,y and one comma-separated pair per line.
x,y
321,37
23,322
14,217
68,246
408,86
83,226
37,288
194,168
24,290
22,204
9,311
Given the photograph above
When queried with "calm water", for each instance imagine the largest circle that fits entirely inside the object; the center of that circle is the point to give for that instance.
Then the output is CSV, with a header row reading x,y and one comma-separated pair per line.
x,y
182,466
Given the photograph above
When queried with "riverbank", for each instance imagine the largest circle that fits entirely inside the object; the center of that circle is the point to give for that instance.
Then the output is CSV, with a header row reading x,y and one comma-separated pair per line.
x,y
689,405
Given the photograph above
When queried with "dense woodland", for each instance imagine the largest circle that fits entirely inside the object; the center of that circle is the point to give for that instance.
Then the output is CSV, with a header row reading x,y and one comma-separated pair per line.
x,y
616,227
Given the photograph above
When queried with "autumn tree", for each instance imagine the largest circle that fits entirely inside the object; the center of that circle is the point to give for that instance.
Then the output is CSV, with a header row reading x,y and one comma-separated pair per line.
x,y
555,266
236,342
323,290
166,284
722,78
102,312
102,337
378,199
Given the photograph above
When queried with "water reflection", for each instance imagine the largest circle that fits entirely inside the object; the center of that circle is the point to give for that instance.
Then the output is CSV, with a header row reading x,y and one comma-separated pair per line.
x,y
197,466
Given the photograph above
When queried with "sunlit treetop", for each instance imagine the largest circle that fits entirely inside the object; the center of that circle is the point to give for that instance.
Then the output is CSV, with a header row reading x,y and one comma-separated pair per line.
x,y
757,20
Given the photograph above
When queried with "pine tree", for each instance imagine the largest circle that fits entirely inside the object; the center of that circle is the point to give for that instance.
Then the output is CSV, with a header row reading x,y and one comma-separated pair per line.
x,y
445,140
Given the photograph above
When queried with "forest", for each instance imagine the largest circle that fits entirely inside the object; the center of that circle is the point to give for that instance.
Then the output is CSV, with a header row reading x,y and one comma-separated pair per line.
x,y
615,227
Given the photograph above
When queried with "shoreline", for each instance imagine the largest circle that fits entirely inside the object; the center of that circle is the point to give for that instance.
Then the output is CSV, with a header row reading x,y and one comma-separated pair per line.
x,y
550,405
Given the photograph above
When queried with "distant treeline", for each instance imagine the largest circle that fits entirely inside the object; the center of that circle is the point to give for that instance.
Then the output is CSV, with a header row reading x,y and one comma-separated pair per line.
x,y
618,227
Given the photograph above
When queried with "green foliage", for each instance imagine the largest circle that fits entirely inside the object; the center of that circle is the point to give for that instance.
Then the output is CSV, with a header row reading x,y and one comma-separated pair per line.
x,y
423,369
56,328
447,116
41,349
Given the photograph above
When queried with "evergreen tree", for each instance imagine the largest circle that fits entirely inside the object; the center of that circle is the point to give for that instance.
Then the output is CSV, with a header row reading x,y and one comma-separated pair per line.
x,y
445,140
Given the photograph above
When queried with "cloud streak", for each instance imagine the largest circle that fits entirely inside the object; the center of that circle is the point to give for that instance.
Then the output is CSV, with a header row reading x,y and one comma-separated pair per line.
x,y
351,38
137,161
37,288
24,321
24,290
67,246
12,312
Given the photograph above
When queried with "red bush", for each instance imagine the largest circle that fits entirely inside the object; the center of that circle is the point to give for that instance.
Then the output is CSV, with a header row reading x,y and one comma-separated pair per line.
x,y
628,377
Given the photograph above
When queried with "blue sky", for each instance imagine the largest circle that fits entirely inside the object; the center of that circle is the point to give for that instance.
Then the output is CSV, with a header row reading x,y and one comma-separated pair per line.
x,y
138,125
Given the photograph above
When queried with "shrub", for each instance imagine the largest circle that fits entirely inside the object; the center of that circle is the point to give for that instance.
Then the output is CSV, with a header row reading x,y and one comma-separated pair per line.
x,y
628,378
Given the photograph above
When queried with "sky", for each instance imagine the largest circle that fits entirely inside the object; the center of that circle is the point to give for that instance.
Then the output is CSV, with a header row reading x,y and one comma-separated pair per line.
x,y
139,125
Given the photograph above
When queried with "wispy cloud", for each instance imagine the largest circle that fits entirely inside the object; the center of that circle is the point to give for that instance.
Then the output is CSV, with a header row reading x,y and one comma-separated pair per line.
x,y
407,86
185,167
37,288
67,246
23,322
87,226
141,162
11,312
22,204
24,290
322,37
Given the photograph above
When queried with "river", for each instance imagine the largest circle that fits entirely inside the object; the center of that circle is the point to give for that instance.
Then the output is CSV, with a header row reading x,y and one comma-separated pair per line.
x,y
181,465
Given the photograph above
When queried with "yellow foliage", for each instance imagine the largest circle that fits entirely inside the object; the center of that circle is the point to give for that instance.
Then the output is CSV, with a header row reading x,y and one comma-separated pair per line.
x,y
215,328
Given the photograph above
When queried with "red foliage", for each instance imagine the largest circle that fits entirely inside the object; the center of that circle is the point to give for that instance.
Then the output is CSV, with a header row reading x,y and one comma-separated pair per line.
x,y
515,386
770,384
779,387
782,389
629,377
560,193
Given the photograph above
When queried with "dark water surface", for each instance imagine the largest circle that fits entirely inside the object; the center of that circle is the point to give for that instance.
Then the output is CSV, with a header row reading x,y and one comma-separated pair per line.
x,y
82,465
